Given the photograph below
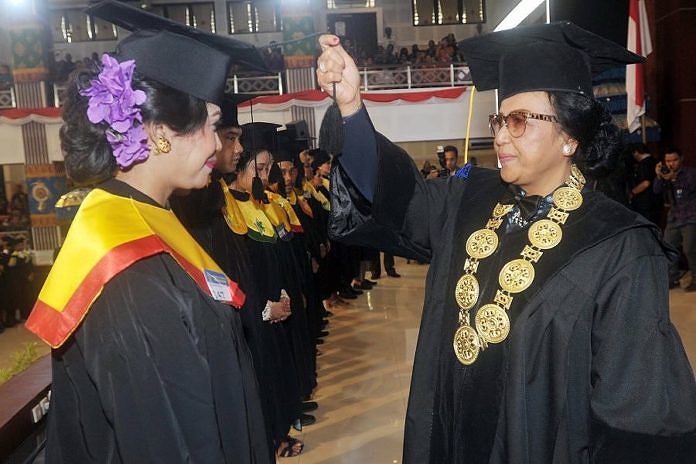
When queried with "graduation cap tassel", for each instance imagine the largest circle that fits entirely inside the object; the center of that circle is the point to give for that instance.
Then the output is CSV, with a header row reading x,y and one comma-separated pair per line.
x,y
256,183
331,129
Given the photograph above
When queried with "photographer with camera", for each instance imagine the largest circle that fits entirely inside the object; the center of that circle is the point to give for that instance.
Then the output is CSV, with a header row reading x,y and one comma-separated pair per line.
x,y
678,185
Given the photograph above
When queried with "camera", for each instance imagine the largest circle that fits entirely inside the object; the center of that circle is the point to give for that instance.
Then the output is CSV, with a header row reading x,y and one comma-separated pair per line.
x,y
665,170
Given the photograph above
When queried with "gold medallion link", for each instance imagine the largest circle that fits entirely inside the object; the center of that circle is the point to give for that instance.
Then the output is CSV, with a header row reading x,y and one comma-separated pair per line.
x,y
467,291
516,276
567,198
482,243
466,345
545,234
501,210
492,323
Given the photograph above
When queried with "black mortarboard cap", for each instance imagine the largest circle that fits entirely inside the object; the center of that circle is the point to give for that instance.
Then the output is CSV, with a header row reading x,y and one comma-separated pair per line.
x,y
228,107
552,57
256,135
182,57
289,148
320,157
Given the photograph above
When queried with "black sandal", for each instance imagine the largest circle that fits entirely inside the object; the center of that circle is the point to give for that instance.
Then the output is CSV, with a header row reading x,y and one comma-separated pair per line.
x,y
289,450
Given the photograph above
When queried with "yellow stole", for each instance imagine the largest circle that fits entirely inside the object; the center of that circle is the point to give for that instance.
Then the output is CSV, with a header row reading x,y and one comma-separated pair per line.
x,y
308,188
296,199
247,217
326,183
294,221
108,234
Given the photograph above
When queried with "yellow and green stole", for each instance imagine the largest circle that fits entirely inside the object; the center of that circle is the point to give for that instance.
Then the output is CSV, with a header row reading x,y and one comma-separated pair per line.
x,y
309,189
290,214
108,234
247,217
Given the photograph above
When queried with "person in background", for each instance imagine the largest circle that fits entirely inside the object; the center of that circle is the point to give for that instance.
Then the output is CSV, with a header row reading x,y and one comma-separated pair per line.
x,y
451,160
678,185
643,199
6,79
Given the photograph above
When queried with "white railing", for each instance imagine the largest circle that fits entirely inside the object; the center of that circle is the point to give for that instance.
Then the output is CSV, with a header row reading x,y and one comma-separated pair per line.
x,y
256,85
413,77
372,78
7,98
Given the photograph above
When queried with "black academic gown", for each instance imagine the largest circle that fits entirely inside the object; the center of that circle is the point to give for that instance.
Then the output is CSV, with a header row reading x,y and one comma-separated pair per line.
x,y
253,266
156,372
592,371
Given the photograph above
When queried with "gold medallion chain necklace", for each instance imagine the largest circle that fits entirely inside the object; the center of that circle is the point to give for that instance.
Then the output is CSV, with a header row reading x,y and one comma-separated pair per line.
x,y
492,324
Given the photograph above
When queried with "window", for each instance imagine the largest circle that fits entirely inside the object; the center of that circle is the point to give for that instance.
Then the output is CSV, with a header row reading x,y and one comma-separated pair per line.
x,y
73,25
198,15
438,12
337,4
253,16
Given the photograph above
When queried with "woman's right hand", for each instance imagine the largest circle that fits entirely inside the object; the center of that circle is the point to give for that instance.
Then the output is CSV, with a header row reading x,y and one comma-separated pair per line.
x,y
336,66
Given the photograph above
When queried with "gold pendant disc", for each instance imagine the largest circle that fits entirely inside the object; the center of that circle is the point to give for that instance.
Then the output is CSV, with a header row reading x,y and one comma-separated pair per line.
x,y
545,234
466,345
567,198
516,276
482,243
467,291
492,323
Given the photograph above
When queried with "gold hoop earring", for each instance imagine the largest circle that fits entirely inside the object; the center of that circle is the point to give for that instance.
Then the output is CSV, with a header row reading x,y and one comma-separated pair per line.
x,y
163,146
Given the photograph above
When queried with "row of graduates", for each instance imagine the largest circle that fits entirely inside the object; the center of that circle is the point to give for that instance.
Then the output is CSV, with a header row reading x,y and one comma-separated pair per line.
x,y
265,223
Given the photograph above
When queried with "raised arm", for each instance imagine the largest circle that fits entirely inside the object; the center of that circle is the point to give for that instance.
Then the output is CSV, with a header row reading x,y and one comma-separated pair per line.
x,y
379,197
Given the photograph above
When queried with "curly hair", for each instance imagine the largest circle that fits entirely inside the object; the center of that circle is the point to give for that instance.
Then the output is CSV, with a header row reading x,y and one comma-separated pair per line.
x,y
88,156
590,124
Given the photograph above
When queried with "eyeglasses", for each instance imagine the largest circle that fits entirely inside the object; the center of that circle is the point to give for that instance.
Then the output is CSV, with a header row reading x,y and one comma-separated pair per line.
x,y
516,122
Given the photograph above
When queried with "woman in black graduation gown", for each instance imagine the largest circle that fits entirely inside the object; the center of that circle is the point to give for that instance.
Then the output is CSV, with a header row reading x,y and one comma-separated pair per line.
x,y
149,360
545,335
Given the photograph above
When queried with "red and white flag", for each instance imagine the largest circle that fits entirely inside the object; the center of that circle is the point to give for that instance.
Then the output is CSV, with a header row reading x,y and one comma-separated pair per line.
x,y
639,43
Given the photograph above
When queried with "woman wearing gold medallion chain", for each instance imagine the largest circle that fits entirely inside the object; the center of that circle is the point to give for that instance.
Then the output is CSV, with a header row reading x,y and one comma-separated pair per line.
x,y
545,335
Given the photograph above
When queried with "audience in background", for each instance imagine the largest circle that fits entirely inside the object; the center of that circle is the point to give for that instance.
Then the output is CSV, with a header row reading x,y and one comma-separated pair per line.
x,y
6,79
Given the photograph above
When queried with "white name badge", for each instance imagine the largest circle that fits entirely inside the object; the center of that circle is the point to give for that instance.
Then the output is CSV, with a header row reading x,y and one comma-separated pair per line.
x,y
217,284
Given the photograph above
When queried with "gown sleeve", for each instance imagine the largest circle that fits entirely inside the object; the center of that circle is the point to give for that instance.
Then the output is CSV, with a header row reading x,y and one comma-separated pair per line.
x,y
379,198
142,352
643,389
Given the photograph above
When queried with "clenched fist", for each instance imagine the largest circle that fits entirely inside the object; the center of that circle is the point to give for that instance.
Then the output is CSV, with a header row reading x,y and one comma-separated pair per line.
x,y
336,66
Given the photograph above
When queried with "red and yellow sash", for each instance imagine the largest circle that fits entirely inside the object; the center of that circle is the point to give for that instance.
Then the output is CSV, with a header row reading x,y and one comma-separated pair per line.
x,y
109,234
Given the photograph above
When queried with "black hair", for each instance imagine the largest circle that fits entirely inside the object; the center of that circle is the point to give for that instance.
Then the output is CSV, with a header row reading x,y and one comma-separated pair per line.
x,y
451,148
88,156
672,151
639,147
247,157
585,120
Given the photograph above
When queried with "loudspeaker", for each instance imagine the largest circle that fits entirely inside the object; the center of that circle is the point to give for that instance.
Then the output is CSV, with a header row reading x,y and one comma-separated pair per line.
x,y
298,130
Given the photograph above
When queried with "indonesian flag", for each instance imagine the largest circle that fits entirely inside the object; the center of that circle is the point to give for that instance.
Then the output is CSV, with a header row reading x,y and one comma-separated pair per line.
x,y
639,43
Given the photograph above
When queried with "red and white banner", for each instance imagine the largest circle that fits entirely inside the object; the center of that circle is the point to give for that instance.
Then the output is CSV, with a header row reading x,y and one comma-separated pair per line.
x,y
318,98
639,43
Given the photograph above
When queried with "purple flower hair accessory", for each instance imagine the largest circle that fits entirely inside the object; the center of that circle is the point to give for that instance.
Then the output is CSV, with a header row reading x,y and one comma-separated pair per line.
x,y
113,100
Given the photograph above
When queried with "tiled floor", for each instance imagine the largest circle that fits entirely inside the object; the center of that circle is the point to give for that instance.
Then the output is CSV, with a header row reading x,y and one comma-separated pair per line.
x,y
365,369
